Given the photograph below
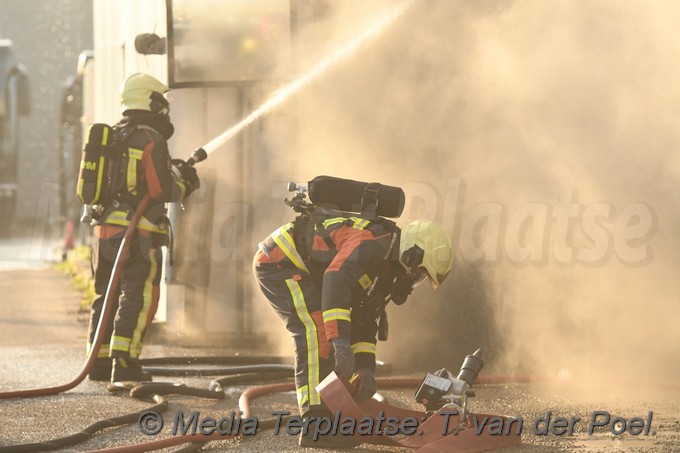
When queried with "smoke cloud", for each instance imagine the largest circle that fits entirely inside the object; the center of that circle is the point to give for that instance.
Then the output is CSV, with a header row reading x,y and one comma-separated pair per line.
x,y
544,136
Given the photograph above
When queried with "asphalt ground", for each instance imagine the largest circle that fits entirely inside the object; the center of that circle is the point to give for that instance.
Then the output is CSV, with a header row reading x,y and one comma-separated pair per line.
x,y
42,337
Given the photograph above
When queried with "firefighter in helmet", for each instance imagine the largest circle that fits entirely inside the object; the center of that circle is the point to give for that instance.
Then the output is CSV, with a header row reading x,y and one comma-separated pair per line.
x,y
333,302
144,167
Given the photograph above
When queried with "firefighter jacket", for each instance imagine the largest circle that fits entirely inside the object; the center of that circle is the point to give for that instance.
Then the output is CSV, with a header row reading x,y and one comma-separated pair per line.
x,y
144,167
344,260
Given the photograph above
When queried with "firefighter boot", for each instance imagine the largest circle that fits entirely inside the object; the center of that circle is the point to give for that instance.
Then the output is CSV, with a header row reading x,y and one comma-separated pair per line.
x,y
126,369
101,370
327,441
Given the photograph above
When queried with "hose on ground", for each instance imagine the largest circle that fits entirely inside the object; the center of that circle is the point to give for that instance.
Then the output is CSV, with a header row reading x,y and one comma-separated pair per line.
x,y
268,423
190,448
261,368
107,308
85,434
218,384
145,391
155,392
217,360
252,393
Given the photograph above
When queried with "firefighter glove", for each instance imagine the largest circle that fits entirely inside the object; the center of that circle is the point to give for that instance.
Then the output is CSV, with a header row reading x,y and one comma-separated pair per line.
x,y
187,174
344,357
402,287
190,178
364,380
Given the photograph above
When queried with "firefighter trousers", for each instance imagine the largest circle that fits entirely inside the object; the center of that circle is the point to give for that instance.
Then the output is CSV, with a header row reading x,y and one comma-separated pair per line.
x,y
296,298
135,301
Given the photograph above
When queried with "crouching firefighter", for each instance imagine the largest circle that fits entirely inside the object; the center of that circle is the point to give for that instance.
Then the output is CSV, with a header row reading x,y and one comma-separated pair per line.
x,y
330,274
125,163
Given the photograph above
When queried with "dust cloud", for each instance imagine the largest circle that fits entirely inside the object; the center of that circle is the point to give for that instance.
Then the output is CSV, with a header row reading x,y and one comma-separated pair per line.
x,y
544,136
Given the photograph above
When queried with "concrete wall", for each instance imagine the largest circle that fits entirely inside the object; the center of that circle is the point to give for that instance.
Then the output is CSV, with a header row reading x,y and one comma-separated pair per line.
x,y
48,36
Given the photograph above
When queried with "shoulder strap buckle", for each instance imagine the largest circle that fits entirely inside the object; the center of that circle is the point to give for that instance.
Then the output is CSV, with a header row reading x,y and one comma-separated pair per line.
x,y
369,200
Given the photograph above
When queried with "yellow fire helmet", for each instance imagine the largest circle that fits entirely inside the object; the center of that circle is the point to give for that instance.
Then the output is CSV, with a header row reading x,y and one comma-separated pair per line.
x,y
143,92
425,244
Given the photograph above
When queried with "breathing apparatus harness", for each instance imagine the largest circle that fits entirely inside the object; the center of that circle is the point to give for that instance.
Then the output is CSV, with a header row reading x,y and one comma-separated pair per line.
x,y
336,197
100,180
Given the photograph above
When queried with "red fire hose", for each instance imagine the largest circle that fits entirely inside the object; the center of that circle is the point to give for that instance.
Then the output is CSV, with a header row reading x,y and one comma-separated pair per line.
x,y
252,393
103,320
197,156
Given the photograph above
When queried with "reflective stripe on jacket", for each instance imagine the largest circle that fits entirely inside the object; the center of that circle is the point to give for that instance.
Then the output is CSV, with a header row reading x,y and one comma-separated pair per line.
x,y
144,168
347,270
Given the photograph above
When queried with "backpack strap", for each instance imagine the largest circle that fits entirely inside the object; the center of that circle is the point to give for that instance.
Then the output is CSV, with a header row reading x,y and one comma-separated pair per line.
x,y
373,304
304,227
119,151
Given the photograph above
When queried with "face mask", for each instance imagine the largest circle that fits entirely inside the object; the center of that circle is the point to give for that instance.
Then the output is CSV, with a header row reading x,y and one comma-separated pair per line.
x,y
159,104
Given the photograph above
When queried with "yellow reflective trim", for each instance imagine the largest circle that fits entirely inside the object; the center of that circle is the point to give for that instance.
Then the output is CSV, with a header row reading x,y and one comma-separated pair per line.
x,y
120,344
136,342
360,223
365,281
333,221
182,188
285,242
121,218
134,155
146,224
100,171
81,183
100,178
302,395
341,314
368,348
103,350
105,135
310,337
117,218
357,222
336,318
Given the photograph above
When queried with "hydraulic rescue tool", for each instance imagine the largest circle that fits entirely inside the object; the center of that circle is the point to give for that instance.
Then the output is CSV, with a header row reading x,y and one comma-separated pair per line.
x,y
446,426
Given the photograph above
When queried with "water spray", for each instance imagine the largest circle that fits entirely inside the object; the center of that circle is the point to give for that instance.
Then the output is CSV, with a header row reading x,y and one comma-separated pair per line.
x,y
201,154
305,79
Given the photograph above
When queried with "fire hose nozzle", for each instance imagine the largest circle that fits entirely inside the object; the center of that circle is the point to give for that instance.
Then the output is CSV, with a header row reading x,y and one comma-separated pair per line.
x,y
199,155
